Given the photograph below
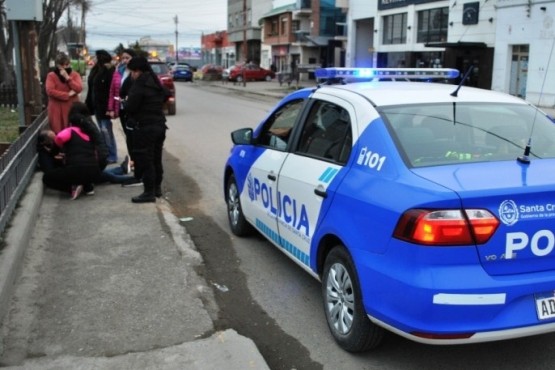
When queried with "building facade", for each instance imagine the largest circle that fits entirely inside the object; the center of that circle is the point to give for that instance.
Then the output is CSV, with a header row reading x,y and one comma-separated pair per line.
x,y
300,33
503,40
243,28
217,49
524,60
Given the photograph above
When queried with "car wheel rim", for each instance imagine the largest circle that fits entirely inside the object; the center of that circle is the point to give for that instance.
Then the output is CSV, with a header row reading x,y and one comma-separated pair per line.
x,y
340,300
233,205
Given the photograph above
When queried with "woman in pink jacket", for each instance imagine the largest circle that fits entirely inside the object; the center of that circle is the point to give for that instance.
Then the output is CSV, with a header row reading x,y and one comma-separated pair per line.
x,y
121,83
62,88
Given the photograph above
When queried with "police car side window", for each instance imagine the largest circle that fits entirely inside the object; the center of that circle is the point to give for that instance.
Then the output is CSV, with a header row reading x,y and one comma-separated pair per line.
x,y
327,133
278,127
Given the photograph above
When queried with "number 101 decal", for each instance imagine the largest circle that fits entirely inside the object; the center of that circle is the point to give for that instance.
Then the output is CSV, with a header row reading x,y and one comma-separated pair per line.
x,y
368,158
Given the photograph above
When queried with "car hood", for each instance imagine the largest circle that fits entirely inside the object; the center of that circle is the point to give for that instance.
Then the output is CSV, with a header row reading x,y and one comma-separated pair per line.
x,y
521,196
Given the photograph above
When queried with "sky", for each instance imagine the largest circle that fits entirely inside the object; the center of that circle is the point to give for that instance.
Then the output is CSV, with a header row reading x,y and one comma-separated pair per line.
x,y
111,22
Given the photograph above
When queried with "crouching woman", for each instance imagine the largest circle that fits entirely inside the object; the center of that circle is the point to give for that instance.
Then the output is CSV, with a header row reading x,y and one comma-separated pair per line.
x,y
81,169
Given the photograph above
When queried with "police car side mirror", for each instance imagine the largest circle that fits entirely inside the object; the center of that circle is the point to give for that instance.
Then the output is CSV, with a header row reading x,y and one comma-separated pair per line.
x,y
242,136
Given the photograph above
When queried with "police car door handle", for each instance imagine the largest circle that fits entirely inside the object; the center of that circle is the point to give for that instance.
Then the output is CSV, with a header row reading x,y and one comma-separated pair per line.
x,y
272,176
320,191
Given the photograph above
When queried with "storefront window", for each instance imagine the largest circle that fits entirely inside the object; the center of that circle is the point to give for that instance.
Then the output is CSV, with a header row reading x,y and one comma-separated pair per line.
x,y
432,25
395,29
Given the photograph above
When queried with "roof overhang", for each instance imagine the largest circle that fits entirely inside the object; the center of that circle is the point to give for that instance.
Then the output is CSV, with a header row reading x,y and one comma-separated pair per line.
x,y
456,45
280,10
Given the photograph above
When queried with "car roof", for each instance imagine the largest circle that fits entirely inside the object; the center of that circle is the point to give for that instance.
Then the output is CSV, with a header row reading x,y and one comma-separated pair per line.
x,y
385,93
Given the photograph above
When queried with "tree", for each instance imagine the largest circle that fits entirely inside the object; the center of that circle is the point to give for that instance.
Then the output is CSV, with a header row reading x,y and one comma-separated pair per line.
x,y
53,10
6,46
47,45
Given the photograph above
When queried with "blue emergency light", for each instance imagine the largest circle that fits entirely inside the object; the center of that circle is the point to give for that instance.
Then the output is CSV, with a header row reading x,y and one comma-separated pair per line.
x,y
370,73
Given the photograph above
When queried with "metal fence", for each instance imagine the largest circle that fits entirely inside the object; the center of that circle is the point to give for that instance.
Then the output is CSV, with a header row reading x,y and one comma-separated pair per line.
x,y
17,166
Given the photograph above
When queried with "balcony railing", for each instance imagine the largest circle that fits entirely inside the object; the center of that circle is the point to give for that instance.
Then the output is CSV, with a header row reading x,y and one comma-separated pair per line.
x,y
300,36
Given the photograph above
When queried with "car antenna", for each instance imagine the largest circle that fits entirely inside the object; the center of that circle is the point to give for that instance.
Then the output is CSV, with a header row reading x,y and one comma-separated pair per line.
x,y
456,92
525,158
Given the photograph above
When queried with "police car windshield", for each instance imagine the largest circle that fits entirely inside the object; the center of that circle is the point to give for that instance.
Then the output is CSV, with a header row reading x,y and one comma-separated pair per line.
x,y
432,134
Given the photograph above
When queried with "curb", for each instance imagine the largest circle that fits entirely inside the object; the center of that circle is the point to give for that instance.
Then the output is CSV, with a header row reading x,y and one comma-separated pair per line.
x,y
17,239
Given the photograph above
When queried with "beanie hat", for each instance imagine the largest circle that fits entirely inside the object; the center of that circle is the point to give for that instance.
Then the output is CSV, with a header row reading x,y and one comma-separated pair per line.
x,y
102,56
138,64
130,52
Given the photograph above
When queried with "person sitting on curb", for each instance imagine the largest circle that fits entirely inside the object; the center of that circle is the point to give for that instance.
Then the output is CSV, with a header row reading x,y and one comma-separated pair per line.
x,y
49,155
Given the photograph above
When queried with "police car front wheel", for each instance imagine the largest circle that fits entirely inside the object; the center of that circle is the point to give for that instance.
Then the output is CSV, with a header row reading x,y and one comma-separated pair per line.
x,y
237,222
346,318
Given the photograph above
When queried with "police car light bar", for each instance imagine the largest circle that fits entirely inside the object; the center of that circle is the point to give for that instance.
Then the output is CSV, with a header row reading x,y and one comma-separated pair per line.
x,y
367,73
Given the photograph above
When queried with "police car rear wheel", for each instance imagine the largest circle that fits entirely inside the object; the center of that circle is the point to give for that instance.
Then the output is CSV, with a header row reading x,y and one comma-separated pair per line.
x,y
346,318
237,222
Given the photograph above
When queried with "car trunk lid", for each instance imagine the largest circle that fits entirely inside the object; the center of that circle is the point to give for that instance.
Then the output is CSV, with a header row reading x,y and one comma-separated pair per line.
x,y
522,197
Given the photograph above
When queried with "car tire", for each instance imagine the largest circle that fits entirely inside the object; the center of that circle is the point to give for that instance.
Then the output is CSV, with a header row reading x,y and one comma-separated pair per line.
x,y
239,79
345,314
237,222
268,78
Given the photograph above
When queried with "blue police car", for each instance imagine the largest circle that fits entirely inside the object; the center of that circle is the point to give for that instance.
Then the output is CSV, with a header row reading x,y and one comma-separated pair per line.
x,y
425,209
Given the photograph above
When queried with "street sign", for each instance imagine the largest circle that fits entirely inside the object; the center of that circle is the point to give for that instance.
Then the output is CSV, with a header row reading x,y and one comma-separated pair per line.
x,y
24,10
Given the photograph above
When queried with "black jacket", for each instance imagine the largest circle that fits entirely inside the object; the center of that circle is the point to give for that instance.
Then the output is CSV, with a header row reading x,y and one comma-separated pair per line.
x,y
146,100
79,152
98,93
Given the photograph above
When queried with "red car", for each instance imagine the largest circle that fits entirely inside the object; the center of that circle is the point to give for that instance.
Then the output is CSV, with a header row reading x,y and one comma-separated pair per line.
x,y
165,76
250,72
211,72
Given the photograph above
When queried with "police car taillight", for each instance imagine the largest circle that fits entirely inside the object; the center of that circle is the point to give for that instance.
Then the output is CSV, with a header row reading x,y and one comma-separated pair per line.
x,y
446,227
369,73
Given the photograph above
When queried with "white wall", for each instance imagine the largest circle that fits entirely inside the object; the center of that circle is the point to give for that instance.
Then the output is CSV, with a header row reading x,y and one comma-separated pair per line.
x,y
537,31
484,31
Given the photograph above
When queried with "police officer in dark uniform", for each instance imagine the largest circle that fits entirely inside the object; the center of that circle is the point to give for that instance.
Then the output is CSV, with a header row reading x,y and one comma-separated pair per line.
x,y
144,106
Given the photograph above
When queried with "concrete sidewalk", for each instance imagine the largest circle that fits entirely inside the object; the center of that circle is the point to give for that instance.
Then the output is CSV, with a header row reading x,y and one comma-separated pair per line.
x,y
265,88
108,284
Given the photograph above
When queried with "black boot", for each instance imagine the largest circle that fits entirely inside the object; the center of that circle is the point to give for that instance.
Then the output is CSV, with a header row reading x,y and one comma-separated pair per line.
x,y
158,191
146,197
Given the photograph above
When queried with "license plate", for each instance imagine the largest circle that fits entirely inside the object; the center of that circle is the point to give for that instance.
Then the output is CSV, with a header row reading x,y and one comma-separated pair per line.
x,y
545,306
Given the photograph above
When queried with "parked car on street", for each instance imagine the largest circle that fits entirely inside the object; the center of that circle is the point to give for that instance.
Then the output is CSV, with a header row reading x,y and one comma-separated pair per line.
x,y
424,208
211,72
250,72
163,72
182,73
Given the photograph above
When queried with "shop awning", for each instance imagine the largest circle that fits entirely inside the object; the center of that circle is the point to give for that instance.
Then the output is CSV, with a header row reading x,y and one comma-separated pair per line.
x,y
456,45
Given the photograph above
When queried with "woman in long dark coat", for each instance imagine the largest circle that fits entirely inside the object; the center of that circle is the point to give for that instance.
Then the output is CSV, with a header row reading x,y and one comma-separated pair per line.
x,y
144,106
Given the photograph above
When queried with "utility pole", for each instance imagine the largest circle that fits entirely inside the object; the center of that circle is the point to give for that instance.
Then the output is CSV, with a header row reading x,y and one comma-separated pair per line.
x,y
176,47
244,45
23,18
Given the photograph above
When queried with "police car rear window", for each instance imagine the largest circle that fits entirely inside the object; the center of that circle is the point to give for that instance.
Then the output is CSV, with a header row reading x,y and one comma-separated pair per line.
x,y
441,134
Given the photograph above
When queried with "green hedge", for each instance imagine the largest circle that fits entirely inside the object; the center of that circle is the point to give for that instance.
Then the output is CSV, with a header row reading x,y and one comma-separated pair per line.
x,y
9,125
79,66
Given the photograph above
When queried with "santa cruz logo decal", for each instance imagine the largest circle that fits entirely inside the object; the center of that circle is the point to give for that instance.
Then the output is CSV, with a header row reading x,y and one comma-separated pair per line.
x,y
508,212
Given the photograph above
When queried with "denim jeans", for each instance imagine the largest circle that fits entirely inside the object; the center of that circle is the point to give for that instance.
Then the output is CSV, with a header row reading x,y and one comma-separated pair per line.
x,y
115,175
105,125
